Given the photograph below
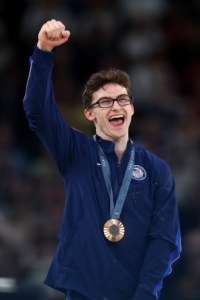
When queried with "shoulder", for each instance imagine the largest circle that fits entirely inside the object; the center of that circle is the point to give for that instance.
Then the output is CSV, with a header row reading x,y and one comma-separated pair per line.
x,y
153,163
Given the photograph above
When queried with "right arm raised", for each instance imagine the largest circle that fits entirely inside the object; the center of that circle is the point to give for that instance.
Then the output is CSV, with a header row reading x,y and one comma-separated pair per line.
x,y
39,104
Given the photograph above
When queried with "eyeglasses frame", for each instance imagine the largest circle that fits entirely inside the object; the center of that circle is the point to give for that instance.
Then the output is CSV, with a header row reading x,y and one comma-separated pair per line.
x,y
113,100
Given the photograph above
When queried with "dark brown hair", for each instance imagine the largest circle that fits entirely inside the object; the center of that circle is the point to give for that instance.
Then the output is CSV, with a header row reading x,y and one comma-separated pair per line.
x,y
99,79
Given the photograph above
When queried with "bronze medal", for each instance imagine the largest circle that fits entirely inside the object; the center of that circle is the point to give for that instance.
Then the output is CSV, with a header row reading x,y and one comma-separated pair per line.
x,y
114,230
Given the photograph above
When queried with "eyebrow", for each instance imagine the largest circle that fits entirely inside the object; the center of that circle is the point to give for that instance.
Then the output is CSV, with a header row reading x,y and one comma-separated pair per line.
x,y
107,97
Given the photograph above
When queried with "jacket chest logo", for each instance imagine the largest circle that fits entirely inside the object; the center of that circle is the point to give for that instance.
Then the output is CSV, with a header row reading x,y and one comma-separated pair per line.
x,y
139,173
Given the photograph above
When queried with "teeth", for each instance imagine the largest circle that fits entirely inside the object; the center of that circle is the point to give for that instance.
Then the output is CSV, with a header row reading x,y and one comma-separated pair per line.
x,y
117,117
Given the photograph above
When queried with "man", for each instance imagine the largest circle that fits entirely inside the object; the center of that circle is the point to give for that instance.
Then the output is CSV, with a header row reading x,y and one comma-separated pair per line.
x,y
120,230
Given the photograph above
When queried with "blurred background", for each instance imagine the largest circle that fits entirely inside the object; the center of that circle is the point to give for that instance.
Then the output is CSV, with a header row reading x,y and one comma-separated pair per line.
x,y
158,43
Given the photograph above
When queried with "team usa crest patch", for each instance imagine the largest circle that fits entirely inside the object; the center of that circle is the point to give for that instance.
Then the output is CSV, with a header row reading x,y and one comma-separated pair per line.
x,y
139,173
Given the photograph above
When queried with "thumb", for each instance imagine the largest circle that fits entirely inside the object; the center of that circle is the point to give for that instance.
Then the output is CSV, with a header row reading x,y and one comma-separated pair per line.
x,y
66,34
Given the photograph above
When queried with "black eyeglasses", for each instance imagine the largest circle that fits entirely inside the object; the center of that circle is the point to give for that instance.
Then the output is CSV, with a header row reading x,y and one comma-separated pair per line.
x,y
107,102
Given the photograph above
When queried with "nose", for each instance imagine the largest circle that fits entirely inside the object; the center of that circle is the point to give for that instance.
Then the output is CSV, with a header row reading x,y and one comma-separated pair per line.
x,y
116,105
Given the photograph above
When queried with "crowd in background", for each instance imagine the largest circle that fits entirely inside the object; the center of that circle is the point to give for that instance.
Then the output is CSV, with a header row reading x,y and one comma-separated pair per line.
x,y
158,43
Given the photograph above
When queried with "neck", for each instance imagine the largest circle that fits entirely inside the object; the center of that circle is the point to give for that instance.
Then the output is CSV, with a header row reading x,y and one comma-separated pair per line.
x,y
120,147
120,143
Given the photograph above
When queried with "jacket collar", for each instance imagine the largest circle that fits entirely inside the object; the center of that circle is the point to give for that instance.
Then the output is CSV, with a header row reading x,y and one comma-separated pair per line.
x,y
109,146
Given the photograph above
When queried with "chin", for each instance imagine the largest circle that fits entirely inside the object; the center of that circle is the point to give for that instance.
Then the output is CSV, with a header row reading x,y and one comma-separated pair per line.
x,y
118,136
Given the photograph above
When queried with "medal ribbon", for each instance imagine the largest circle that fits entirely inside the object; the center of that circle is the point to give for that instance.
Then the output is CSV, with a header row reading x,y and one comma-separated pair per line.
x,y
115,210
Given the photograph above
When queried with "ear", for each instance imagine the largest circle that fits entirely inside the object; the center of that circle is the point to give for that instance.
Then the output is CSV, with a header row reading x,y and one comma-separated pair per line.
x,y
89,114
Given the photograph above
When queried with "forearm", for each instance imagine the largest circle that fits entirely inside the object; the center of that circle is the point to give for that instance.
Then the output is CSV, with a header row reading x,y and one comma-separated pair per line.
x,y
41,110
39,86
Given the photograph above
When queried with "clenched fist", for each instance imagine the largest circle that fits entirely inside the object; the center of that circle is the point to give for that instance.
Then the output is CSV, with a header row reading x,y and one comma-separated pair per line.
x,y
52,34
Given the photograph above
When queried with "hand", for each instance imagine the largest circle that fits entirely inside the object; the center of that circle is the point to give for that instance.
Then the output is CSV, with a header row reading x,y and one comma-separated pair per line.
x,y
52,34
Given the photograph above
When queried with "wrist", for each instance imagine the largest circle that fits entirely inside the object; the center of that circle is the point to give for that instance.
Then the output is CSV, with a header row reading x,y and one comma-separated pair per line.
x,y
44,47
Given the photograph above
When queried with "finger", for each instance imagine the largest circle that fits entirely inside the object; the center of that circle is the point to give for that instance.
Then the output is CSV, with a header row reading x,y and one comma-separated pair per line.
x,y
51,30
55,29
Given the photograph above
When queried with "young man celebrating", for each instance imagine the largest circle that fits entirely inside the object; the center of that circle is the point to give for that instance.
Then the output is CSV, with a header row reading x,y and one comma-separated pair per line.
x,y
120,230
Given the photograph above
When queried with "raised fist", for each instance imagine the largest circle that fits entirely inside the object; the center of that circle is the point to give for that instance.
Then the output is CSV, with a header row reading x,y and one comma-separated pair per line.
x,y
52,34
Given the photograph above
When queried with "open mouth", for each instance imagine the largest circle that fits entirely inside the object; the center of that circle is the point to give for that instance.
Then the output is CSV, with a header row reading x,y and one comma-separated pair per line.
x,y
117,120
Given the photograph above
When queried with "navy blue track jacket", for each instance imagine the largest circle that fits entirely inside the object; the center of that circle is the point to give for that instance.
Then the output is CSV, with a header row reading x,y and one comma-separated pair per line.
x,y
133,268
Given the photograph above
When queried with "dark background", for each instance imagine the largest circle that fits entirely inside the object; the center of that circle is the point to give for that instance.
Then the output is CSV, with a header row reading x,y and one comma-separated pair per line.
x,y
158,43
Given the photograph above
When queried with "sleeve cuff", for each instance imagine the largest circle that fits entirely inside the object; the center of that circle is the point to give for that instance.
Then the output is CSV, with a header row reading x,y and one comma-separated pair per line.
x,y
143,295
41,57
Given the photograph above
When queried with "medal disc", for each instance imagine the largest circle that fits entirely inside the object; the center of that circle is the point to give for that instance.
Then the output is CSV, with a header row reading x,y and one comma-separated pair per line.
x,y
114,230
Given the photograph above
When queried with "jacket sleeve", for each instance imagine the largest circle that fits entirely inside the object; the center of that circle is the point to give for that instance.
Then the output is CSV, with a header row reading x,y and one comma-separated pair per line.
x,y
43,114
164,243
